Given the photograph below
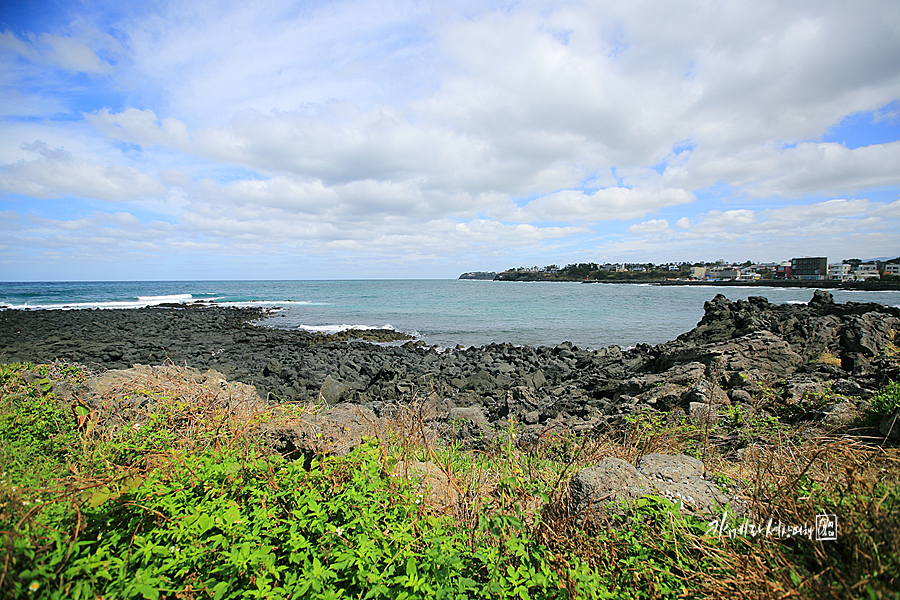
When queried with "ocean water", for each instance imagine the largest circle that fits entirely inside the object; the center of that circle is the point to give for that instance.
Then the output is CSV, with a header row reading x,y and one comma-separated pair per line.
x,y
443,312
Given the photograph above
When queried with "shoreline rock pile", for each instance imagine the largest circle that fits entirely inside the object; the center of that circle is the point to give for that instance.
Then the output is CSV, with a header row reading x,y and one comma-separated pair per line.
x,y
739,350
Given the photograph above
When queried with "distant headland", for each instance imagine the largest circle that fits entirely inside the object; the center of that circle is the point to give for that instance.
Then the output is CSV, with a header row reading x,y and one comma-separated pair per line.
x,y
806,272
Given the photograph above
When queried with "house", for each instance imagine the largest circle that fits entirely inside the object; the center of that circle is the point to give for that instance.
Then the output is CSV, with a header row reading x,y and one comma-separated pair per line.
x,y
809,268
892,269
748,274
840,271
867,271
698,272
783,271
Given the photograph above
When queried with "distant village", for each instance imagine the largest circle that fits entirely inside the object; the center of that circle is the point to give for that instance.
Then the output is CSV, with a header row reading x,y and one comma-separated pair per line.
x,y
807,268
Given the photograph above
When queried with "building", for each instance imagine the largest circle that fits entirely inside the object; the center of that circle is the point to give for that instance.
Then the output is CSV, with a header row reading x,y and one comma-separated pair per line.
x,y
722,272
892,269
867,271
808,268
783,271
698,272
840,271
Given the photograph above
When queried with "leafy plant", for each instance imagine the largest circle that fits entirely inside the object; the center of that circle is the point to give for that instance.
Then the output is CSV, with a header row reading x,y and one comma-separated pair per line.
x,y
887,400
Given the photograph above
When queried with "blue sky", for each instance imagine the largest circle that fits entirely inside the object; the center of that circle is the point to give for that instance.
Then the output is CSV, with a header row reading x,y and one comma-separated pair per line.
x,y
294,140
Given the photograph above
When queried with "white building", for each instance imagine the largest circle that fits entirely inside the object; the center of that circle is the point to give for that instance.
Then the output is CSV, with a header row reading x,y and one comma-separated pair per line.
x,y
892,269
839,271
867,271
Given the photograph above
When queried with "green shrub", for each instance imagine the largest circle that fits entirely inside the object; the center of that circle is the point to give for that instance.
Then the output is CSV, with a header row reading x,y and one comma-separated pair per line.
x,y
887,400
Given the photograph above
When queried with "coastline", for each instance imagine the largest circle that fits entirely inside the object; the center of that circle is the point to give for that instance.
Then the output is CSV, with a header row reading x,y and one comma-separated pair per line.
x,y
870,285
736,347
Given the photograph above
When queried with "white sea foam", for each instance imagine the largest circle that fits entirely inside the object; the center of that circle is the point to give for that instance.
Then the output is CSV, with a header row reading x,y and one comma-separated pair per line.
x,y
344,327
140,302
275,303
169,298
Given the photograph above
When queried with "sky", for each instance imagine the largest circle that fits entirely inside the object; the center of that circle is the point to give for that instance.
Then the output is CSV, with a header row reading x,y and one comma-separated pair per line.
x,y
414,139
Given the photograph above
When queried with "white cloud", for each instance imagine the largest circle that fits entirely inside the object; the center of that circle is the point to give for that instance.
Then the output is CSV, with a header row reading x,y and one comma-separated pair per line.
x,y
58,51
430,130
838,228
57,173
807,168
141,127
652,226
606,204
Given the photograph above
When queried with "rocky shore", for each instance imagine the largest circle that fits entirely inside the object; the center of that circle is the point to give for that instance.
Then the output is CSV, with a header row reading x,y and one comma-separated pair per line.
x,y
824,358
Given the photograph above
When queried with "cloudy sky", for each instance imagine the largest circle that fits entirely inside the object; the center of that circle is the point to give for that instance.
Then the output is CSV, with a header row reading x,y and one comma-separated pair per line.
x,y
391,138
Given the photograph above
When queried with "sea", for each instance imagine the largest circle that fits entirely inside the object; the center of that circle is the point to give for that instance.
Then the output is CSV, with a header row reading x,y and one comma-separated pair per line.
x,y
441,312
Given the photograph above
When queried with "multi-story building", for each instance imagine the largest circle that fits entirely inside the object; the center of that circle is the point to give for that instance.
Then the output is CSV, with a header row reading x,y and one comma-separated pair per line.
x,y
783,271
722,272
698,272
839,271
867,271
809,268
892,269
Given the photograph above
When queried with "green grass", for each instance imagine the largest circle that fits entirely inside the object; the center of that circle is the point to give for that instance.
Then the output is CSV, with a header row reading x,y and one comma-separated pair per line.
x,y
191,504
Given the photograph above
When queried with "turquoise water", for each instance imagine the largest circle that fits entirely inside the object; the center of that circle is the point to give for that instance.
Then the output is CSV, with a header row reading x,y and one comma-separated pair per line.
x,y
445,312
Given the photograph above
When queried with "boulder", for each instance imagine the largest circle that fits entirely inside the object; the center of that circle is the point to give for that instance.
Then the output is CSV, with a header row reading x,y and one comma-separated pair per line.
x,y
741,396
123,397
841,414
890,426
520,401
429,482
665,396
472,414
756,352
702,413
671,469
333,391
614,482
706,392
468,426
607,484
681,479
335,431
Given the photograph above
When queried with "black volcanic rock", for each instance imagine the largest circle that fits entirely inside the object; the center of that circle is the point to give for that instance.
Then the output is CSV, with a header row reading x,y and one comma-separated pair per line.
x,y
735,345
